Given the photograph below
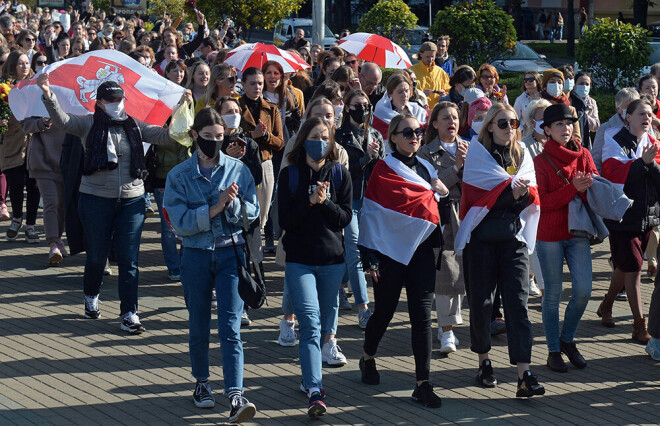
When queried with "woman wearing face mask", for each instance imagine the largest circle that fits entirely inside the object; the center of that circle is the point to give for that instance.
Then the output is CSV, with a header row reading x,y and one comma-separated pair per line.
x,y
629,158
395,103
554,243
221,83
553,91
569,77
476,114
531,91
487,79
621,101
314,203
446,150
39,61
586,107
365,147
493,256
331,90
199,78
207,219
463,78
392,267
13,156
111,204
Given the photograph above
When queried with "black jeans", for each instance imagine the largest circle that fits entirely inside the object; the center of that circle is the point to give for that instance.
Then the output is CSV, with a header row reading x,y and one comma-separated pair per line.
x,y
419,279
487,266
19,180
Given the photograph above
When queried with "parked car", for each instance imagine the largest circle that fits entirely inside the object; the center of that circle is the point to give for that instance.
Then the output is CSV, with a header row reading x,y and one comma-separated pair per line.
x,y
654,30
286,29
414,39
522,59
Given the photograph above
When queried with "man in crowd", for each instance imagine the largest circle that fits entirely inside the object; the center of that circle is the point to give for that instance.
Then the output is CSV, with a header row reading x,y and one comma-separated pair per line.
x,y
296,42
431,79
442,59
370,76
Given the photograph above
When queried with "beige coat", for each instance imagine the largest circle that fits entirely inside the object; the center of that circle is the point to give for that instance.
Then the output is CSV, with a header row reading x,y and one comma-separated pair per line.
x,y
14,145
449,279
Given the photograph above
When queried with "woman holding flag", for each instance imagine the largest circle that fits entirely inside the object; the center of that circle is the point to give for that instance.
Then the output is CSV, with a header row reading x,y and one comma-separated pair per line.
x,y
630,159
400,203
499,213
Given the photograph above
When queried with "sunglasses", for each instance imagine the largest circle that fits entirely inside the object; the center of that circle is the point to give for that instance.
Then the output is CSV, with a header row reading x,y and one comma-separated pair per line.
x,y
410,133
231,79
503,123
529,79
29,39
41,63
351,62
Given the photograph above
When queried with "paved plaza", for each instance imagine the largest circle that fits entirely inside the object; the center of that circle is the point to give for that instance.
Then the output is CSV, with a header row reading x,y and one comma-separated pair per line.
x,y
58,368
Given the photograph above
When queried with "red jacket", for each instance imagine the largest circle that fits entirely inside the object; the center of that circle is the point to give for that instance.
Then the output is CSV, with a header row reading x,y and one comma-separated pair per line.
x,y
554,193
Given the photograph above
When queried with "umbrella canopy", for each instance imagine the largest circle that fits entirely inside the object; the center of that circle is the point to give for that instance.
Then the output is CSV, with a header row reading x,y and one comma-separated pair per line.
x,y
377,49
257,54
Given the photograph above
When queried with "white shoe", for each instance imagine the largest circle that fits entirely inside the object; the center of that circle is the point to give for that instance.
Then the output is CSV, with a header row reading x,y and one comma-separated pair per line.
x,y
331,354
245,319
534,289
449,342
287,335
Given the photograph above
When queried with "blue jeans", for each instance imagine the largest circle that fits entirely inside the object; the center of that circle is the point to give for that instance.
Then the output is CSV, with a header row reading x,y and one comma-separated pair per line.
x,y
201,271
313,293
105,220
167,237
577,253
353,261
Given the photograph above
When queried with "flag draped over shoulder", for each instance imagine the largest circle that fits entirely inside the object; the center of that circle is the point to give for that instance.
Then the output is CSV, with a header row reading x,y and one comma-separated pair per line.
x,y
483,182
399,210
149,97
616,164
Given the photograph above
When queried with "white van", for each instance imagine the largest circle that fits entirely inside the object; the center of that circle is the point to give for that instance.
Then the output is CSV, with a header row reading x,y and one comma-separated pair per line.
x,y
286,29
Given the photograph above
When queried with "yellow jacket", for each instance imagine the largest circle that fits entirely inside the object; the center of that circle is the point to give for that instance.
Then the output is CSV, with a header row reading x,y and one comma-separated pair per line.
x,y
433,78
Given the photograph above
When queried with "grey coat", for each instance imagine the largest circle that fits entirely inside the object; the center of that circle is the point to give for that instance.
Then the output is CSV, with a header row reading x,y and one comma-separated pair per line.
x,y
449,279
116,183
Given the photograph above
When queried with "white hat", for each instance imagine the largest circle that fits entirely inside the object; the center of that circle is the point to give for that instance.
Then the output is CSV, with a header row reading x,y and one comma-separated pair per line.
x,y
472,94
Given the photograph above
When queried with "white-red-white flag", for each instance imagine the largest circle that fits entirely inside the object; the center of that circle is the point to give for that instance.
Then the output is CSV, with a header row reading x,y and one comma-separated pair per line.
x,y
616,164
399,210
483,182
149,97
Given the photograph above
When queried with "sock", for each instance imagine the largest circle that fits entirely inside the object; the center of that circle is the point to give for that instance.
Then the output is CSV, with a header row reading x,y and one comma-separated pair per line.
x,y
233,392
203,381
311,391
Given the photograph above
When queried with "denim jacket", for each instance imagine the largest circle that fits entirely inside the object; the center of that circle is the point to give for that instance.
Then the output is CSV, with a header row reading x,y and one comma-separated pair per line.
x,y
189,195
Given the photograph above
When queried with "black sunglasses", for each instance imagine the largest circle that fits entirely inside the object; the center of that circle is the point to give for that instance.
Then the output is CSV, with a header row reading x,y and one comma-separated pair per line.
x,y
231,79
28,39
529,79
351,62
41,62
409,133
503,123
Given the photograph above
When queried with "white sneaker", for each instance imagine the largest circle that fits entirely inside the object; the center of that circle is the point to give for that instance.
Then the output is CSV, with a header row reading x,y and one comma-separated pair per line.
x,y
245,319
287,335
331,354
534,289
449,342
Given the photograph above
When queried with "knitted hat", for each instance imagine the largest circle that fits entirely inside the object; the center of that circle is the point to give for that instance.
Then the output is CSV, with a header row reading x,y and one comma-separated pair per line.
x,y
481,104
549,73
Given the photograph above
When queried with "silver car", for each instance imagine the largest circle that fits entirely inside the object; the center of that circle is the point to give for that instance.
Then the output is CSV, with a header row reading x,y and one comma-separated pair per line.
x,y
523,59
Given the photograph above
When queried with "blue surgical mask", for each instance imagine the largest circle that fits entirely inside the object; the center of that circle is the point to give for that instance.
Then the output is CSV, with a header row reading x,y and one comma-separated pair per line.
x,y
316,148
554,89
582,90
568,84
623,114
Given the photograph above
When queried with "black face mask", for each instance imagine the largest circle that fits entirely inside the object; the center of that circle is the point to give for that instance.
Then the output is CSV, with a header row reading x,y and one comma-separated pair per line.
x,y
210,148
359,114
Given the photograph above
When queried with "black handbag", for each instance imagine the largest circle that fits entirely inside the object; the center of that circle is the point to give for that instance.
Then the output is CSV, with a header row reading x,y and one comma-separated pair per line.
x,y
251,290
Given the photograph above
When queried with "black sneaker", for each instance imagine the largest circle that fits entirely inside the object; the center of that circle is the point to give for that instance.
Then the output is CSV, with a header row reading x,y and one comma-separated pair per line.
x,y
131,323
529,386
574,356
316,405
203,396
242,410
485,376
370,375
424,395
92,307
556,362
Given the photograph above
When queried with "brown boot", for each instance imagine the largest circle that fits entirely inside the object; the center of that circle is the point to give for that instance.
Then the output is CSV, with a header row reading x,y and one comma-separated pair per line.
x,y
640,333
605,311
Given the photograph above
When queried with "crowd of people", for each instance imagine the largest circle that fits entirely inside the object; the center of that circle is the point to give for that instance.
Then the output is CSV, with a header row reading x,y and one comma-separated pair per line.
x,y
431,180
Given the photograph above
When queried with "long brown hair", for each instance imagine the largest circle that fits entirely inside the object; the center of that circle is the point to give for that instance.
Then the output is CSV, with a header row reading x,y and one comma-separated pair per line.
x,y
9,67
431,131
347,102
486,137
282,91
298,154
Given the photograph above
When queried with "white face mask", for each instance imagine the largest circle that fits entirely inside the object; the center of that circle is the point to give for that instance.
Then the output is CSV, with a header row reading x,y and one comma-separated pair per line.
x,y
115,110
623,114
554,89
568,84
476,126
537,127
232,120
338,110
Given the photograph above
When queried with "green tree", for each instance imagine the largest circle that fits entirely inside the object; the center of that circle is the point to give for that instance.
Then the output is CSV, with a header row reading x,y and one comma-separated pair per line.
x,y
615,53
480,31
389,18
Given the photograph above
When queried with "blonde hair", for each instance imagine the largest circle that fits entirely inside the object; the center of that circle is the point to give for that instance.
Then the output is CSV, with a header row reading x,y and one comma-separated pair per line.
x,y
530,111
486,136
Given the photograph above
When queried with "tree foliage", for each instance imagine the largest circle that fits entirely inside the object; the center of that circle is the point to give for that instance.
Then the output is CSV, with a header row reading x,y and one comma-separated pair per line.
x,y
251,13
480,31
615,53
389,18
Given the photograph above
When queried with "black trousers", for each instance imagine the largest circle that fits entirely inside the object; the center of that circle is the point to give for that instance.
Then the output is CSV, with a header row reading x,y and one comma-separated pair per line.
x,y
418,277
487,266
19,180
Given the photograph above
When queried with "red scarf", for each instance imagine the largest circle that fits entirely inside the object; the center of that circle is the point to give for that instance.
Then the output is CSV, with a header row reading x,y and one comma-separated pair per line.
x,y
562,99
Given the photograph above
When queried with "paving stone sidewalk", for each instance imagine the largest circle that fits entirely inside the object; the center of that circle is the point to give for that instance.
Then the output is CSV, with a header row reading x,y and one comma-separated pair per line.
x,y
57,368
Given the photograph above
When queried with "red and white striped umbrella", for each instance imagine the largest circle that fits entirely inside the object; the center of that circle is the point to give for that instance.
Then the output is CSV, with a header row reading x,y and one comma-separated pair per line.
x,y
257,54
377,49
